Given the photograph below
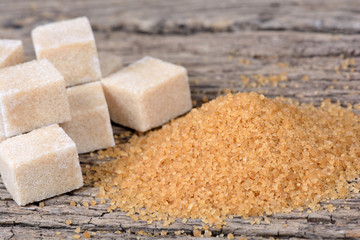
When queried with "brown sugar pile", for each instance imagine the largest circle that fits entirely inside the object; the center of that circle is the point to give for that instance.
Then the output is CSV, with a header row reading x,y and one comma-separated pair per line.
x,y
241,154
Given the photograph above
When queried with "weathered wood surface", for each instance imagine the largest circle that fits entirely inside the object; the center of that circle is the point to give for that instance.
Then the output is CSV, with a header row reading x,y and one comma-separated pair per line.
x,y
211,39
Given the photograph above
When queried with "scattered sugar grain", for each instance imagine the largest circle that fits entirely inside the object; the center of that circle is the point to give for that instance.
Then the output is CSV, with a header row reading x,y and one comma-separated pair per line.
x,y
263,80
282,65
244,61
86,234
76,236
330,208
68,222
230,236
78,230
179,232
243,237
305,78
41,204
207,233
58,233
85,204
163,233
197,233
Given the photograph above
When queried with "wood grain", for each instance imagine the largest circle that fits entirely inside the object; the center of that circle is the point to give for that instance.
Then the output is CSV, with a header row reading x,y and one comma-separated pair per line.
x,y
212,39
187,16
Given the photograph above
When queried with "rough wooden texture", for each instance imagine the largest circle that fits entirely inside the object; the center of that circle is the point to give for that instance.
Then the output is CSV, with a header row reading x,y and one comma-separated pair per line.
x,y
213,40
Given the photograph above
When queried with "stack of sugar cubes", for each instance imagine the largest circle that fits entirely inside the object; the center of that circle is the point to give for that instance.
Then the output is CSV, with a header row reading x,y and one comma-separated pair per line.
x,y
55,107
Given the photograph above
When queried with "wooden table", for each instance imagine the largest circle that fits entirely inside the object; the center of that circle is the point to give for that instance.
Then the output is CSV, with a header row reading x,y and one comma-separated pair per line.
x,y
218,42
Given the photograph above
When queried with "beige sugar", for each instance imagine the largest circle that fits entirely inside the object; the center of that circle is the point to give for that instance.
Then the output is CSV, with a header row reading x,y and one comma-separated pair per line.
x,y
90,126
109,63
241,154
32,95
2,133
11,52
39,165
70,46
147,94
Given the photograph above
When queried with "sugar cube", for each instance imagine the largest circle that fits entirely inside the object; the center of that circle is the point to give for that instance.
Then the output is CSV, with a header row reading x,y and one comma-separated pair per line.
x,y
147,94
90,126
70,46
39,165
32,95
2,133
11,52
109,63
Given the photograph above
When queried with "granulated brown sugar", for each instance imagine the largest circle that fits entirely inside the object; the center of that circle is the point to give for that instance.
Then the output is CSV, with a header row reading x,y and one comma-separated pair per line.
x,y
262,80
241,154
86,234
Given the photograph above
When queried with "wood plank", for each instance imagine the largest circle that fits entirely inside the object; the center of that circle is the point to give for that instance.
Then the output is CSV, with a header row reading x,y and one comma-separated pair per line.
x,y
214,57
213,66
186,16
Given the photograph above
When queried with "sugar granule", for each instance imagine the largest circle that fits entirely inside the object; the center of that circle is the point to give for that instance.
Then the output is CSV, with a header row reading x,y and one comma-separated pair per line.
x,y
197,233
86,234
239,154
76,236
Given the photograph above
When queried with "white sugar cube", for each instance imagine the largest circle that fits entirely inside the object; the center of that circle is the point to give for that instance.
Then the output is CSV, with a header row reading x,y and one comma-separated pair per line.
x,y
39,165
11,52
147,94
70,46
90,125
32,95
109,63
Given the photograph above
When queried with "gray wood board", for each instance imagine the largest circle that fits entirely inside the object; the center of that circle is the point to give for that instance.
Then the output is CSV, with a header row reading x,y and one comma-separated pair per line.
x,y
212,39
